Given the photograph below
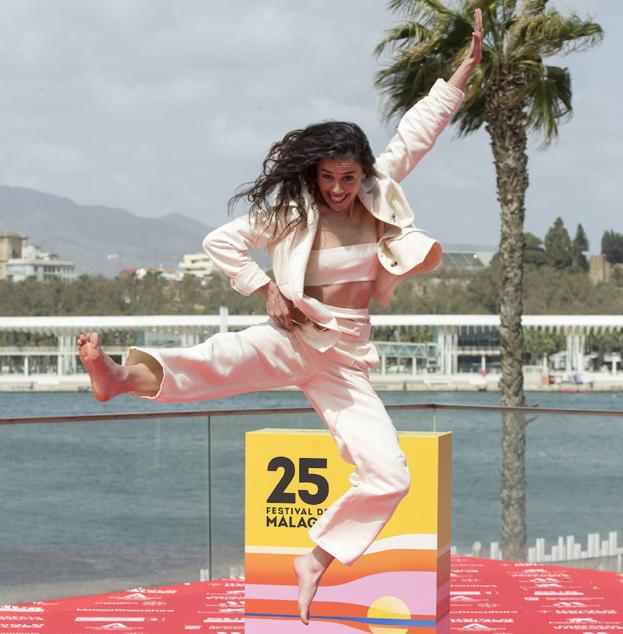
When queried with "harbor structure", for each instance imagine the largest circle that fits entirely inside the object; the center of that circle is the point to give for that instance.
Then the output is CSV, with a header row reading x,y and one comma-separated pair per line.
x,y
464,346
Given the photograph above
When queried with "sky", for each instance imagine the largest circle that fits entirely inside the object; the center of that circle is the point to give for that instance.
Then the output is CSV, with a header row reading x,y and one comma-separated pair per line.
x,y
158,107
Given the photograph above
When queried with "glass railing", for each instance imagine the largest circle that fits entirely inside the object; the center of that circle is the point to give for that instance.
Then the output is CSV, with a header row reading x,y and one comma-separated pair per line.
x,y
574,482
106,502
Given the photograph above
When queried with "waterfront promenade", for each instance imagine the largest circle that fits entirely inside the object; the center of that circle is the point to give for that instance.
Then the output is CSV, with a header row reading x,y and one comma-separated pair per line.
x,y
534,381
461,352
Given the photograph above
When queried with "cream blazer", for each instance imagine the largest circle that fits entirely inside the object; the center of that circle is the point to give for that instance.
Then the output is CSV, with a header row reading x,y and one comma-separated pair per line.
x,y
400,248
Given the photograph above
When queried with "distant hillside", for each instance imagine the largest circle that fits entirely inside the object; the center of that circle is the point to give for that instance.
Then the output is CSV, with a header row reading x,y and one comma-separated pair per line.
x,y
87,234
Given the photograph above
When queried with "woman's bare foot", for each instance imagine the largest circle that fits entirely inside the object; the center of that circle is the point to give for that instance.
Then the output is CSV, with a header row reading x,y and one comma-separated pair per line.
x,y
107,377
309,569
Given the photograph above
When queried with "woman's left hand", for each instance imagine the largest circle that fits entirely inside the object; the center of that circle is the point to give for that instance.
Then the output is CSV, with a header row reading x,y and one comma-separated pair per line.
x,y
474,55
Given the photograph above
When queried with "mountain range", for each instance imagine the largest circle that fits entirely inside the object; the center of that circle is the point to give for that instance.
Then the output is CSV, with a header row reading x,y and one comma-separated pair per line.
x,y
104,240
98,239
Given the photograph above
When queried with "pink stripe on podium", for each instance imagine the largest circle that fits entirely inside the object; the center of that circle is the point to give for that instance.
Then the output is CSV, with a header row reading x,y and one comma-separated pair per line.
x,y
418,590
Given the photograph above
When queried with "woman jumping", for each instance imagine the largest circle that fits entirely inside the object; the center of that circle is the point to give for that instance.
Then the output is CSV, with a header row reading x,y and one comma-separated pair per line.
x,y
339,232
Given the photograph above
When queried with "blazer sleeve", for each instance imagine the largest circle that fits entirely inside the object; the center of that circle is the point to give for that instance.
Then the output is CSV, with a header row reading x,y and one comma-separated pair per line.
x,y
418,130
229,246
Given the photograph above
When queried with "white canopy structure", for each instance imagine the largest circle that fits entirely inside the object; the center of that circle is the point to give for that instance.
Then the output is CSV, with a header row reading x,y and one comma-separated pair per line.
x,y
190,329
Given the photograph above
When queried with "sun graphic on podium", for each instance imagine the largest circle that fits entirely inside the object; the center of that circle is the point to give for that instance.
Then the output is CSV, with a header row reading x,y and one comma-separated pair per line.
x,y
388,608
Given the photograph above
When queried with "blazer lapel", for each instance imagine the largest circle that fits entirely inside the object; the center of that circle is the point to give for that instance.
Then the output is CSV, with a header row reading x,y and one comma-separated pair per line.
x,y
301,250
384,199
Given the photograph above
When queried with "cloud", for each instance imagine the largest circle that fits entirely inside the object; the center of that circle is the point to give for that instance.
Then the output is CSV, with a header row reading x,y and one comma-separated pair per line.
x,y
161,106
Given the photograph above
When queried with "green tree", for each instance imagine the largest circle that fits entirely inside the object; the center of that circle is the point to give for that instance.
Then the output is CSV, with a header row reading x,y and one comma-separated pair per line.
x,y
612,246
539,343
485,286
616,278
512,92
190,296
550,291
558,250
579,246
534,251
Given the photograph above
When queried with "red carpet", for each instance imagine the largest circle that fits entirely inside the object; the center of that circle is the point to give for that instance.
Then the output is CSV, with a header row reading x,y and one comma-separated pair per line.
x,y
497,597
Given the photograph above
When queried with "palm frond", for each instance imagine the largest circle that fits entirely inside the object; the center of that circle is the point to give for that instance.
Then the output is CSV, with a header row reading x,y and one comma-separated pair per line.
x,y
579,35
508,6
519,34
535,7
548,95
402,36
416,8
404,83
471,115
422,51
551,33
458,31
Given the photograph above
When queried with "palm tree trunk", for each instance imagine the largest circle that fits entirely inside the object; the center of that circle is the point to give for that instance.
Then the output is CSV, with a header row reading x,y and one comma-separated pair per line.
x,y
506,125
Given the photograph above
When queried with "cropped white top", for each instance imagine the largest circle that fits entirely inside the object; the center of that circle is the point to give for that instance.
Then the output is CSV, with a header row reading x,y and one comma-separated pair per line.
x,y
339,265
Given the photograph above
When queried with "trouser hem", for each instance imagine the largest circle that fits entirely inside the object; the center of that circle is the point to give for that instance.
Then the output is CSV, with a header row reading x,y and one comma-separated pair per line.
x,y
125,362
320,542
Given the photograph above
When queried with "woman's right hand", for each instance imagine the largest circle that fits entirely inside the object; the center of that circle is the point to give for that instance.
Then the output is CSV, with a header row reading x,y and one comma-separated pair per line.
x,y
278,307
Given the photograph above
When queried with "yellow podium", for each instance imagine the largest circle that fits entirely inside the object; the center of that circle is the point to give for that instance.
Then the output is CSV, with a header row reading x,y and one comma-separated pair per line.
x,y
400,585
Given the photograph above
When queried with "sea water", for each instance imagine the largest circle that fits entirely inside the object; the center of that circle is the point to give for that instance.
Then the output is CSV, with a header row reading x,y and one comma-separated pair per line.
x,y
162,499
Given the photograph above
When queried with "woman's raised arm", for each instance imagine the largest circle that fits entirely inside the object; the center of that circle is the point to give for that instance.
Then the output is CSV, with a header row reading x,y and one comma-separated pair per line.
x,y
462,74
425,121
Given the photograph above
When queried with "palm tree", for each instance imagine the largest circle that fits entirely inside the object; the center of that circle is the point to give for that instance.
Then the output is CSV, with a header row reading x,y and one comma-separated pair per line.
x,y
512,92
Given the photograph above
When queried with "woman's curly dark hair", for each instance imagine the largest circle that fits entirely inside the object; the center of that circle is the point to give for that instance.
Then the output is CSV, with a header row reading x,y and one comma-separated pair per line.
x,y
290,167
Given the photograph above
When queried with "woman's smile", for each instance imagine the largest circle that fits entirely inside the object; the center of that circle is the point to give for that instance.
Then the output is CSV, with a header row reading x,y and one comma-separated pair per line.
x,y
339,181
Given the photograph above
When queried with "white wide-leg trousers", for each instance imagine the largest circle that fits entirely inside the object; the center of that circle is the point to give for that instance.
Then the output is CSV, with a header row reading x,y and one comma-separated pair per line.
x,y
337,385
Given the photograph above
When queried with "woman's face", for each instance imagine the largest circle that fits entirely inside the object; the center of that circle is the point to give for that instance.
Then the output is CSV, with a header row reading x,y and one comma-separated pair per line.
x,y
339,181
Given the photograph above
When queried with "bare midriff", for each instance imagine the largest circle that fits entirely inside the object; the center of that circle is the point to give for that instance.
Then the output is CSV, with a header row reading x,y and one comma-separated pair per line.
x,y
348,295
334,230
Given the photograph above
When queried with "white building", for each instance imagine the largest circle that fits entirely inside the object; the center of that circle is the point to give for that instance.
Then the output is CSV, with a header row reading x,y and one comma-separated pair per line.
x,y
197,264
11,246
38,264
171,275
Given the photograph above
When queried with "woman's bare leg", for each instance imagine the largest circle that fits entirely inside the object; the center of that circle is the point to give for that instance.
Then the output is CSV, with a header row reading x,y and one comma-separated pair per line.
x,y
309,569
109,379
